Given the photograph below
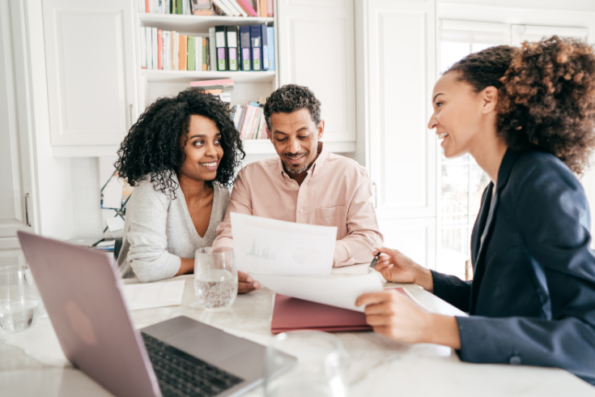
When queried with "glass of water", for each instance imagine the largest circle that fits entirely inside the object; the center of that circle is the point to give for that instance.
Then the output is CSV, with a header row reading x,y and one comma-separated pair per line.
x,y
320,370
215,278
20,303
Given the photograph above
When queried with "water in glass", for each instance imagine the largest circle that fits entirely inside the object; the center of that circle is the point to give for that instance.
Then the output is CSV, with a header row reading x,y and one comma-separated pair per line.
x,y
20,304
215,278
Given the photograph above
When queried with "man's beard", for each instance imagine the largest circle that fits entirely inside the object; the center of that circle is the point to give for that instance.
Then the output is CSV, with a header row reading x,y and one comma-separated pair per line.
x,y
294,170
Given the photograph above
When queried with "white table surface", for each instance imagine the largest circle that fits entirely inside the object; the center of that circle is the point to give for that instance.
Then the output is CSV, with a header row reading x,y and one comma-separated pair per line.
x,y
32,363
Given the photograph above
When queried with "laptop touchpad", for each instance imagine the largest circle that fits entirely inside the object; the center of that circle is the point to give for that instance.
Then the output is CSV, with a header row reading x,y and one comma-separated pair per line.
x,y
209,344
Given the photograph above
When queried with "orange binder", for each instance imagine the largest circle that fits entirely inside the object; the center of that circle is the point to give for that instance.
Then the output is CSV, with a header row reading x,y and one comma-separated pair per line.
x,y
183,52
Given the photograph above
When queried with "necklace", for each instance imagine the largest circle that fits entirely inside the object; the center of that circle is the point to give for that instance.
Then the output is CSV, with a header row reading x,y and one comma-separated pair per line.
x,y
199,201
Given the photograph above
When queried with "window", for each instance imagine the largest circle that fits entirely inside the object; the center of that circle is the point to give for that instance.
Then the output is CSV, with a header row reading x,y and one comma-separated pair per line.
x,y
462,181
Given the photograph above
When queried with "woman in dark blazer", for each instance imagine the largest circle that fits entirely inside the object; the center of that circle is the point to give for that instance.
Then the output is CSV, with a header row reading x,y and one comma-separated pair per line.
x,y
527,117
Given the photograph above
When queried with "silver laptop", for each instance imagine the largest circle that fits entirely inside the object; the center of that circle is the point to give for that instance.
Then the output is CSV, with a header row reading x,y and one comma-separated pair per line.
x,y
179,357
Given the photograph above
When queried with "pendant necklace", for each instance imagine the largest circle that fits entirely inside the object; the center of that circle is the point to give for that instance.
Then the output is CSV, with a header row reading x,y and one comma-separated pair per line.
x,y
199,201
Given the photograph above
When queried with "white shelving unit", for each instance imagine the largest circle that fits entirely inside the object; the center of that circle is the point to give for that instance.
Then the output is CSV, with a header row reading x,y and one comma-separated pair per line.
x,y
248,86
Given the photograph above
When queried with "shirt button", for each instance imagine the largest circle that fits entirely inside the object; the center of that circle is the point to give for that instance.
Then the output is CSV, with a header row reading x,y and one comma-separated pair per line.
x,y
515,360
301,210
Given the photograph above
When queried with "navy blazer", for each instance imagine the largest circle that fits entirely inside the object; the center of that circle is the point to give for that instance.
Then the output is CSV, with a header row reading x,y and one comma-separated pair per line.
x,y
532,299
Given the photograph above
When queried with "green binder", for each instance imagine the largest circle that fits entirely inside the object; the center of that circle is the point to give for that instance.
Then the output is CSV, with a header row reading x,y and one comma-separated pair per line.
x,y
191,53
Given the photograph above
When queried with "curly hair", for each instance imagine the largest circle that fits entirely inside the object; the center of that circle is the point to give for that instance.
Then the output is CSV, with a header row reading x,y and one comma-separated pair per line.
x,y
152,146
288,99
546,92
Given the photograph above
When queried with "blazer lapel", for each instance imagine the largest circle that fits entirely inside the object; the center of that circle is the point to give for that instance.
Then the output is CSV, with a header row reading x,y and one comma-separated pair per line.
x,y
488,207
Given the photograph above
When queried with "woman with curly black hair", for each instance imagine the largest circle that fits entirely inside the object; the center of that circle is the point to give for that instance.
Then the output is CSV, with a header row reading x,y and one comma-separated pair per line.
x,y
181,156
527,116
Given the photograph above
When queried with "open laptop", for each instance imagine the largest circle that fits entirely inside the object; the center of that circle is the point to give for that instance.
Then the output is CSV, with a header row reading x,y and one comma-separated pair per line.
x,y
179,357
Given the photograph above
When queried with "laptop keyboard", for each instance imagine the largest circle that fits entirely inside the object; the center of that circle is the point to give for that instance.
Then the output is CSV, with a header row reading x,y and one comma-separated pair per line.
x,y
181,375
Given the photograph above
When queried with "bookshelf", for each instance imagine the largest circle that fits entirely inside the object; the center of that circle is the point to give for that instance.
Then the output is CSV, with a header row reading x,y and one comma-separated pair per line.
x,y
248,85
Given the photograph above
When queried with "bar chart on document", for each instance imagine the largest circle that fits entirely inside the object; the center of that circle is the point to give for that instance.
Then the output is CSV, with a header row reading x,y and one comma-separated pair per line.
x,y
268,246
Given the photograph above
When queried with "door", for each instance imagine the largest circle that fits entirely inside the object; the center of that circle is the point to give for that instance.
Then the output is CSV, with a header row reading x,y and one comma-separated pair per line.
x,y
16,193
398,70
317,50
90,70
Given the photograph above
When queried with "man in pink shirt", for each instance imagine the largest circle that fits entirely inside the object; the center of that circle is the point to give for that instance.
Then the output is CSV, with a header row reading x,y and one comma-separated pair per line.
x,y
305,184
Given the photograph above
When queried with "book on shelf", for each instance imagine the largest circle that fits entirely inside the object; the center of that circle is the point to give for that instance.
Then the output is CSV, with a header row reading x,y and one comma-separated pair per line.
x,y
220,87
226,48
232,8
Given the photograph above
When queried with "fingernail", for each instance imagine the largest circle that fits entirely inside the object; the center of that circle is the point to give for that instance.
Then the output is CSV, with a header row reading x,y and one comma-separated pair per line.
x,y
249,279
256,285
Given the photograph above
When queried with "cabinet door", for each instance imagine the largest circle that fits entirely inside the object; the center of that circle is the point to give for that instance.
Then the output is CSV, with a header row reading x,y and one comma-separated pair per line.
x,y
316,49
90,70
15,182
397,44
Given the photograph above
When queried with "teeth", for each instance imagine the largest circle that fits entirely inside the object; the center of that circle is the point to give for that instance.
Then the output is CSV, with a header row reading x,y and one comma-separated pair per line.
x,y
209,164
442,135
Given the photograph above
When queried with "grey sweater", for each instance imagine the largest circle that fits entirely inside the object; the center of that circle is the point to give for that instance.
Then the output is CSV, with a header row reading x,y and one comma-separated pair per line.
x,y
158,232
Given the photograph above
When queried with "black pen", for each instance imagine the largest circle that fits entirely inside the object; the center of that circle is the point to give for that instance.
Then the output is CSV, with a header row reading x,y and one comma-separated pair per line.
x,y
373,263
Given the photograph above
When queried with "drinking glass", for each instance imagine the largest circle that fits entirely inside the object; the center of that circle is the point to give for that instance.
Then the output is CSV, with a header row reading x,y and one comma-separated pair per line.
x,y
319,372
215,278
20,303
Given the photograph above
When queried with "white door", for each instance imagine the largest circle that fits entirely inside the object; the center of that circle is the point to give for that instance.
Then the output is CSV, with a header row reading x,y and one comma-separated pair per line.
x,y
16,194
90,70
316,49
398,50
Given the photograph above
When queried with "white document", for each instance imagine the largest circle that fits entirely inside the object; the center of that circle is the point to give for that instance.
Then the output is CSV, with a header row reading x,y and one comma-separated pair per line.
x,y
268,246
147,296
333,291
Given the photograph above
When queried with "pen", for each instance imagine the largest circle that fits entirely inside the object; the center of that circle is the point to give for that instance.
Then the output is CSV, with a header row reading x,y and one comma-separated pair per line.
x,y
373,263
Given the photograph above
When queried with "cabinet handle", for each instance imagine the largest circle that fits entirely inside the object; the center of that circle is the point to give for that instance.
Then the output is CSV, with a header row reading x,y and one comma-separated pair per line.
x,y
375,195
27,195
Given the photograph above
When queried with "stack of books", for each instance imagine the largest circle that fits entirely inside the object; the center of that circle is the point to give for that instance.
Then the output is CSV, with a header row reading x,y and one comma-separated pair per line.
x,y
232,8
226,48
249,121
221,88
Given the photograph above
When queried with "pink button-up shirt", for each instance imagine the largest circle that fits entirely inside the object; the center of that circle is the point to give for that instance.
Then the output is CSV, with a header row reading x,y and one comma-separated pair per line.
x,y
336,192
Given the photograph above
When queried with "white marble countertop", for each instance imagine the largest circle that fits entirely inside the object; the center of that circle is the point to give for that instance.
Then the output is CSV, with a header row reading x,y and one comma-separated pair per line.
x,y
32,363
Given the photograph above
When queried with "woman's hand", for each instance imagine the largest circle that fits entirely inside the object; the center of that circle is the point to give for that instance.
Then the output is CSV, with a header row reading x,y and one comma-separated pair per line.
x,y
246,283
397,317
399,268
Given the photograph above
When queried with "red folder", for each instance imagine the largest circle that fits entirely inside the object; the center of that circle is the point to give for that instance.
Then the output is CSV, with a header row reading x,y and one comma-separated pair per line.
x,y
293,314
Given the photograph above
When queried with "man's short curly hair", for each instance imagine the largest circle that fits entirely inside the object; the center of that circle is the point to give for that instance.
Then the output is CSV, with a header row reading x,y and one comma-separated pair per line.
x,y
152,146
288,99
546,92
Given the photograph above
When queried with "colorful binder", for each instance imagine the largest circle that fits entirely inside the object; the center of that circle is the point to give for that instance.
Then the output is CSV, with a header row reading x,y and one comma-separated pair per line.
x,y
191,65
233,50
265,47
256,45
271,44
221,45
245,48
182,51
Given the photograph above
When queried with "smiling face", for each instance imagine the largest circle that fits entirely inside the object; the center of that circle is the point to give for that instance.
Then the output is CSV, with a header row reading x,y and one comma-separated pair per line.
x,y
295,137
203,149
460,114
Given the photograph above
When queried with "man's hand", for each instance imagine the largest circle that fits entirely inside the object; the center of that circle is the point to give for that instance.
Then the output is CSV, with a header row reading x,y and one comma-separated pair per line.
x,y
399,268
398,317
246,283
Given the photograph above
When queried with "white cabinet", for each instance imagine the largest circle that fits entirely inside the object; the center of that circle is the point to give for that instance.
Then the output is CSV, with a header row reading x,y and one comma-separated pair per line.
x,y
316,49
90,63
16,205
396,80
